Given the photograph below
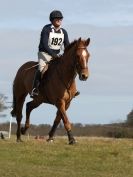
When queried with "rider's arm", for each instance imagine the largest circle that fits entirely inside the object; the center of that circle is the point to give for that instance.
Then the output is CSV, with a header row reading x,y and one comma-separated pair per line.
x,y
66,39
44,38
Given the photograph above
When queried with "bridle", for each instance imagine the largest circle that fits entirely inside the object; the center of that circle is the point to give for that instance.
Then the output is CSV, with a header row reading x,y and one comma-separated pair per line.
x,y
77,63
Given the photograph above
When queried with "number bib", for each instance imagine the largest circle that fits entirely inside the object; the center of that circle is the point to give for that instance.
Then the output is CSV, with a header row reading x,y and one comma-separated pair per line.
x,y
56,40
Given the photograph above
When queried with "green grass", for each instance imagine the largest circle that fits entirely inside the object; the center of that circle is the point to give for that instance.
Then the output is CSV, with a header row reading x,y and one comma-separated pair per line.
x,y
90,157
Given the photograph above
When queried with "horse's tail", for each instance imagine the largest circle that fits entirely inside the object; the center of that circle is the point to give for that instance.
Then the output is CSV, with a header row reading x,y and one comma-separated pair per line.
x,y
13,112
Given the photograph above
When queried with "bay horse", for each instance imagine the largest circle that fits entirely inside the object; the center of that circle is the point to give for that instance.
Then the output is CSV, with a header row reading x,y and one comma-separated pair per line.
x,y
57,86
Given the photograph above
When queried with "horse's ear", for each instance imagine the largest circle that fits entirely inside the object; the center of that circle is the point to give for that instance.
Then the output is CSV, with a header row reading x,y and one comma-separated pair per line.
x,y
79,40
87,41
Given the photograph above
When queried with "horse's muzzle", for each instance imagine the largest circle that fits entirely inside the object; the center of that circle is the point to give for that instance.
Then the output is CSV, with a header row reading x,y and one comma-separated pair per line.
x,y
83,77
84,74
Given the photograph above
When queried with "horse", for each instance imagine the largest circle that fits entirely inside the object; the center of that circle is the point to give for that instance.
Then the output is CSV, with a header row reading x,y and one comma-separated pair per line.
x,y
57,87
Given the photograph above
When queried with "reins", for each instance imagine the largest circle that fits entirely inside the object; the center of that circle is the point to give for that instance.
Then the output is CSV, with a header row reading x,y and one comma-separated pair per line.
x,y
67,86
31,67
70,82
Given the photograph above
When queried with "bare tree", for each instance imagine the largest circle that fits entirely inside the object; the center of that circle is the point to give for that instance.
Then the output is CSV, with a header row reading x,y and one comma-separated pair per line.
x,y
2,104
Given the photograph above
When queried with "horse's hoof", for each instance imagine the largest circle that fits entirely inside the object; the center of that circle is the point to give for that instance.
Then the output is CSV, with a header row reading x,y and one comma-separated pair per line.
x,y
72,142
50,140
23,130
19,141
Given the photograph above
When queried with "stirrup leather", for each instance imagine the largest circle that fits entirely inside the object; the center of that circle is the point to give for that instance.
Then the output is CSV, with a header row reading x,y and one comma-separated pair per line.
x,y
34,92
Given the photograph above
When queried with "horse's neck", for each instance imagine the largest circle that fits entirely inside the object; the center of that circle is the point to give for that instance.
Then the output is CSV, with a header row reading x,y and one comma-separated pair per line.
x,y
67,68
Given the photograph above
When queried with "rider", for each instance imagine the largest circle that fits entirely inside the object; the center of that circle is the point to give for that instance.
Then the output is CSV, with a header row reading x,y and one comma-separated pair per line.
x,y
52,38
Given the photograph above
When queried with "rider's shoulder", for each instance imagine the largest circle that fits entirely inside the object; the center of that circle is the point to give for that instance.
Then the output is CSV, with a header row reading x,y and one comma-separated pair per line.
x,y
64,30
46,27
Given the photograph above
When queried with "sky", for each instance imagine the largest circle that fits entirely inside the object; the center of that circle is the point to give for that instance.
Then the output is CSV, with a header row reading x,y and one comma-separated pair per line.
x,y
107,95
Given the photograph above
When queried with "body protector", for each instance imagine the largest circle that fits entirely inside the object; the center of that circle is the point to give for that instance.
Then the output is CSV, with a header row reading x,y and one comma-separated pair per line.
x,y
56,40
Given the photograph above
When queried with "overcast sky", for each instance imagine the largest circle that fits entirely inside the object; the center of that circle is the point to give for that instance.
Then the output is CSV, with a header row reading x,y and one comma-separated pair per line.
x,y
107,95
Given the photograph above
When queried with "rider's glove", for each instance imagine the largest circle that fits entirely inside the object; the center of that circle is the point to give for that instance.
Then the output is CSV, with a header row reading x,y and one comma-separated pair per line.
x,y
59,55
56,56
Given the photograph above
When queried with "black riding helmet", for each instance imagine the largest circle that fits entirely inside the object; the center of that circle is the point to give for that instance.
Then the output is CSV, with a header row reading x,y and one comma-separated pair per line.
x,y
55,14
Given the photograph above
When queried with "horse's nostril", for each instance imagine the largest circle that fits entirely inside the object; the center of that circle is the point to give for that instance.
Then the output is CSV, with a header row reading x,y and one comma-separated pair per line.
x,y
84,76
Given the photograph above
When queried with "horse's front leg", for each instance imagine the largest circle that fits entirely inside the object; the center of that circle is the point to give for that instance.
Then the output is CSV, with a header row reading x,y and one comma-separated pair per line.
x,y
29,107
62,110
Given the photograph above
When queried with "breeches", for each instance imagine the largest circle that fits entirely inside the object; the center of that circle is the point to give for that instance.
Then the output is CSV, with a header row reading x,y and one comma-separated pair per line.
x,y
43,58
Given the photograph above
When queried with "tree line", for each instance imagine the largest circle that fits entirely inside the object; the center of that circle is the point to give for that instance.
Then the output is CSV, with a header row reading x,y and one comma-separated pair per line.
x,y
117,130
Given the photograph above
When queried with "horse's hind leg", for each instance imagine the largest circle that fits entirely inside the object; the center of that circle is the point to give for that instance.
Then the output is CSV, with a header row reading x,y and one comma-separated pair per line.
x,y
29,107
19,106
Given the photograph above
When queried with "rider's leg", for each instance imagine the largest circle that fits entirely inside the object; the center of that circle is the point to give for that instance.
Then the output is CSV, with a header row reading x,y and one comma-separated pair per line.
x,y
43,59
37,78
36,83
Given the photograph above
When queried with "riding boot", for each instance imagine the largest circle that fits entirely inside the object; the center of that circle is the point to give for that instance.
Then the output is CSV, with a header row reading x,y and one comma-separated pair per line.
x,y
36,83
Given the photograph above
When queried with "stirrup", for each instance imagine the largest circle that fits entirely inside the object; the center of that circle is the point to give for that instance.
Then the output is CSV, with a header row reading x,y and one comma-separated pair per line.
x,y
34,93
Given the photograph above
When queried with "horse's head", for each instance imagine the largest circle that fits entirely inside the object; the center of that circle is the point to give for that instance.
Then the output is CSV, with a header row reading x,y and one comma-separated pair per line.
x,y
82,57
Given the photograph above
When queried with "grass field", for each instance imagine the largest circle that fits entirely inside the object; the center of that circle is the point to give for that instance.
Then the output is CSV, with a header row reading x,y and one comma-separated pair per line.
x,y
90,157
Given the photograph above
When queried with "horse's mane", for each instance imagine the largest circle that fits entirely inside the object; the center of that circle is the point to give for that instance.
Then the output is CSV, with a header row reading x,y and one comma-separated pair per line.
x,y
70,45
55,61
58,60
